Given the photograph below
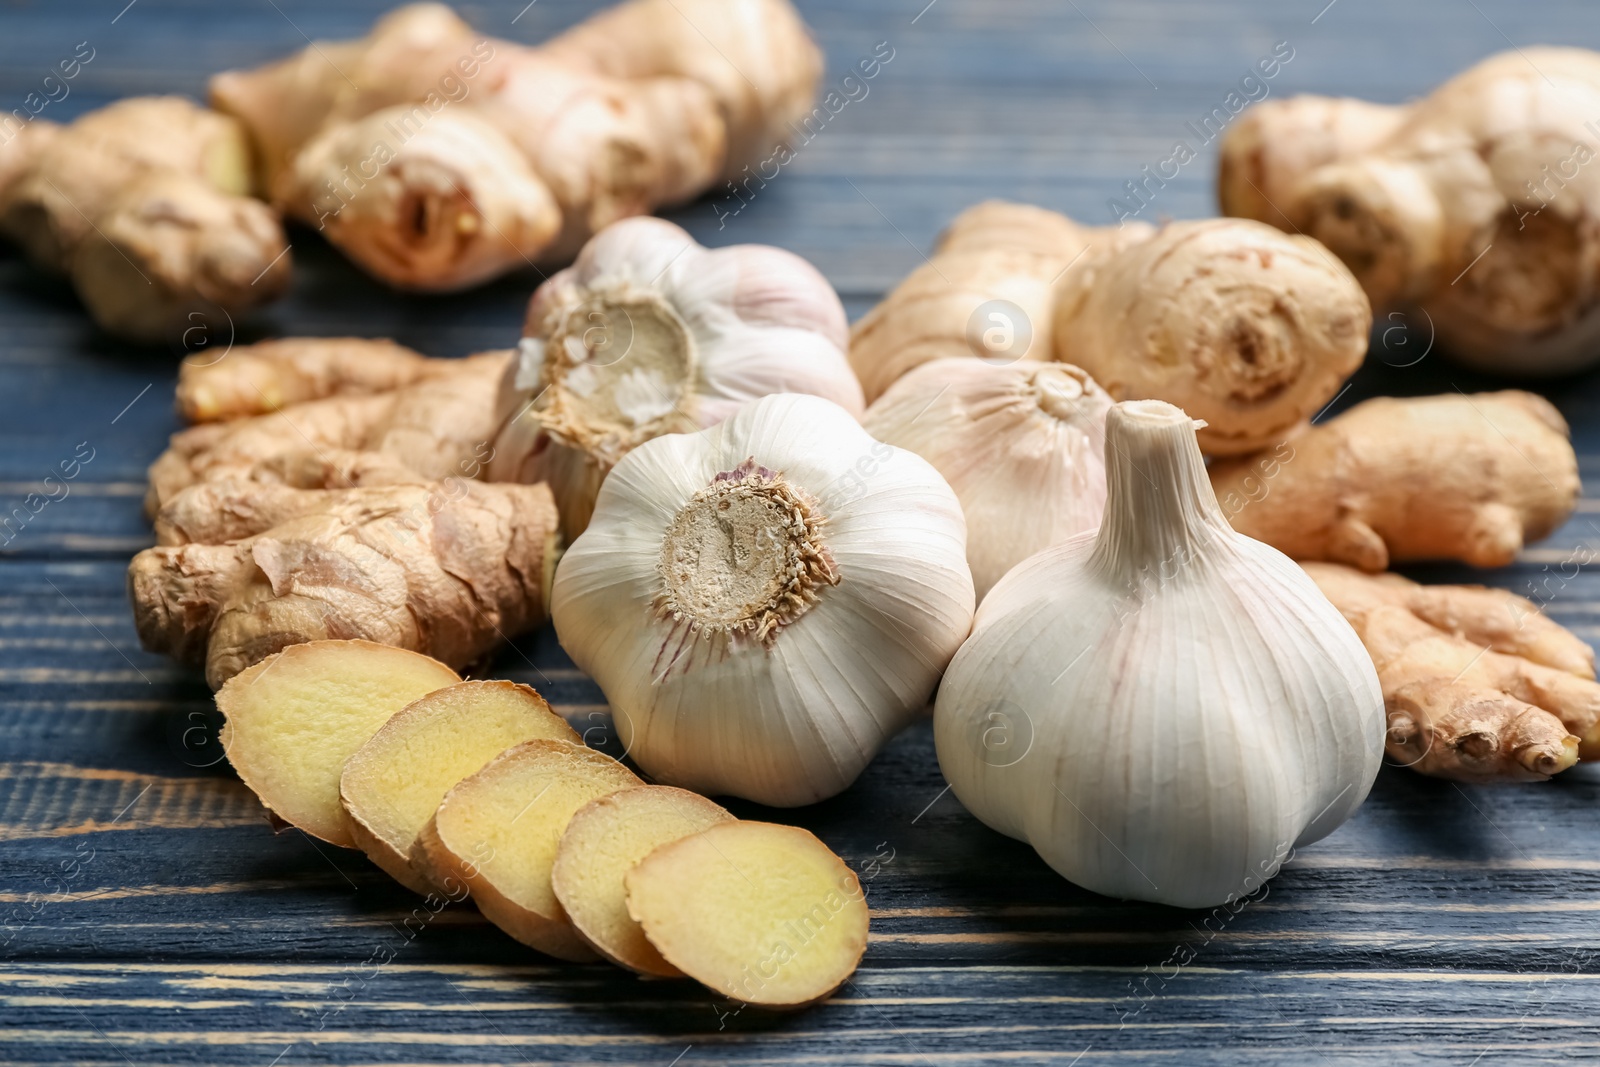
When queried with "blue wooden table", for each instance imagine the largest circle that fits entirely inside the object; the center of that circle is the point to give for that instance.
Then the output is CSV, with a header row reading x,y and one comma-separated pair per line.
x,y
147,914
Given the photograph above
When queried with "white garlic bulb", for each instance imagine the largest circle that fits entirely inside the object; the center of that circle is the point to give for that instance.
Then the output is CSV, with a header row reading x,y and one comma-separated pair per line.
x,y
1022,444
649,333
1166,708
767,602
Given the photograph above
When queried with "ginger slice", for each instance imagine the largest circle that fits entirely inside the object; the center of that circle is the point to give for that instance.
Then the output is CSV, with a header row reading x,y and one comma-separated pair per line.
x,y
497,833
762,913
393,784
296,716
604,841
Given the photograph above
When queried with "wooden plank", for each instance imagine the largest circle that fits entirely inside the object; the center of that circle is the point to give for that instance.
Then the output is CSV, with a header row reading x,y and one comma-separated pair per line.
x,y
148,915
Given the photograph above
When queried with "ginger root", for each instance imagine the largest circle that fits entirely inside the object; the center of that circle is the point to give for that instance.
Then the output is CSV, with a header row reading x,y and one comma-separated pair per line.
x,y
988,290
145,205
1475,203
262,378
1244,327
440,426
1479,686
1276,142
449,569
1240,325
295,717
1469,478
437,158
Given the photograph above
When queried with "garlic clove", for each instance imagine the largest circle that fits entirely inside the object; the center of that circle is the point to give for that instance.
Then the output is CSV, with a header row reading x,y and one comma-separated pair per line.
x,y
1021,444
767,602
1163,708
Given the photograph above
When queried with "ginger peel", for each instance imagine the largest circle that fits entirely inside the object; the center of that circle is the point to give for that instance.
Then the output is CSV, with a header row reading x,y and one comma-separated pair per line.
x,y
449,569
1247,329
491,154
1478,685
1473,203
1470,478
145,205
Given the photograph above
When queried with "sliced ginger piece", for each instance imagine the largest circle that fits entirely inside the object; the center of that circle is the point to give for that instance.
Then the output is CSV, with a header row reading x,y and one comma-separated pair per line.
x,y
296,716
498,830
762,913
393,784
604,841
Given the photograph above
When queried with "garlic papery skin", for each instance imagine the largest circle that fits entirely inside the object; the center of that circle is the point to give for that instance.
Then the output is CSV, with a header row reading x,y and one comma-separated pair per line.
x,y
1022,444
648,333
767,602
1164,708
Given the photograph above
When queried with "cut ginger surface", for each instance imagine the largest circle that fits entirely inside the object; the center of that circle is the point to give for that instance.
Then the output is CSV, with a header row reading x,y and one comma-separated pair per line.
x,y
296,716
761,913
604,840
497,832
393,784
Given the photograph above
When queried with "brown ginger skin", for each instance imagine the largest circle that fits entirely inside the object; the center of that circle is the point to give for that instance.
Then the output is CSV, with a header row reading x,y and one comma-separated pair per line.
x,y
1244,327
144,204
1477,207
1479,686
265,377
440,426
1469,478
1277,142
449,569
495,154
992,252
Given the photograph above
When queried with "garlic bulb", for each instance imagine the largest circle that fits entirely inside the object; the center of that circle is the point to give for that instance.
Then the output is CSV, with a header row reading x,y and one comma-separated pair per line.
x,y
1023,446
767,602
648,333
1165,708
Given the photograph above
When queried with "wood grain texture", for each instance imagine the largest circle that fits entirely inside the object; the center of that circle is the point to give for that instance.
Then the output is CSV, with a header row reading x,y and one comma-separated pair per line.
x,y
149,915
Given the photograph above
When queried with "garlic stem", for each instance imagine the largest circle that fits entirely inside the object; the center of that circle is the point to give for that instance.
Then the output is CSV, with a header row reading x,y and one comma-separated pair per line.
x,y
1160,509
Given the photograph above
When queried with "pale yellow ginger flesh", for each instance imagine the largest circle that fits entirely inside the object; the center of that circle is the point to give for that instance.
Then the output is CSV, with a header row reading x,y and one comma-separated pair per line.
x,y
1470,478
761,913
295,717
392,785
602,843
261,378
497,832
1478,684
